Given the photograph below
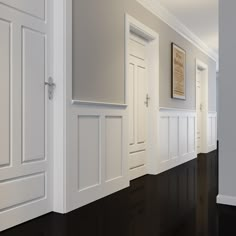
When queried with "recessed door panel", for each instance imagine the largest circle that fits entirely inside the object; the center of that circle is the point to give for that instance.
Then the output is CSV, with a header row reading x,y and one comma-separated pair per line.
x,y
32,7
5,82
131,104
32,188
141,107
199,110
33,72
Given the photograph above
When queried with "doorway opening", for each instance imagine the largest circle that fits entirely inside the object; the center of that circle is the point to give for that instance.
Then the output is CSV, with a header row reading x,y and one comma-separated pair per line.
x,y
142,97
201,106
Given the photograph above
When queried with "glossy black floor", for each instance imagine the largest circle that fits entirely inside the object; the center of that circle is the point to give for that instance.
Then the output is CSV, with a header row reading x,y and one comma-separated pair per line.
x,y
179,202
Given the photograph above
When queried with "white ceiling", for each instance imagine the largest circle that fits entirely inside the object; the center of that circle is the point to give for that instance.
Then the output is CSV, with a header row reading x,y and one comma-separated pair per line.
x,y
199,16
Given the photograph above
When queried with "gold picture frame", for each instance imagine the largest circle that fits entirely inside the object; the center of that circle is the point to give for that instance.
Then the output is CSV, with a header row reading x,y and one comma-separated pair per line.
x,y
178,73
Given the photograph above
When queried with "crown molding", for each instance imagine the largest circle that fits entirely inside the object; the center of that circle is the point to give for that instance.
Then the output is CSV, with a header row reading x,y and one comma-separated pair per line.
x,y
160,11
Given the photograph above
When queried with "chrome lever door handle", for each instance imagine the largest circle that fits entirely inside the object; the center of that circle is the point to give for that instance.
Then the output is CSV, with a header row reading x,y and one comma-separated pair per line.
x,y
51,86
147,100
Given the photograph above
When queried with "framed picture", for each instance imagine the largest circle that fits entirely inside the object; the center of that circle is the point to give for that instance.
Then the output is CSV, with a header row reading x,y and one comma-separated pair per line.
x,y
178,85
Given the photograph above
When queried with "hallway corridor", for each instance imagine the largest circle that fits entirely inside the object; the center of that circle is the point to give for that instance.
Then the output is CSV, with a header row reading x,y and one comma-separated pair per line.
x,y
178,202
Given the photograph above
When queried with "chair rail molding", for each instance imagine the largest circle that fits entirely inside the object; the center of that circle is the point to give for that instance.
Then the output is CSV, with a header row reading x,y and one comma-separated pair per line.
x,y
101,104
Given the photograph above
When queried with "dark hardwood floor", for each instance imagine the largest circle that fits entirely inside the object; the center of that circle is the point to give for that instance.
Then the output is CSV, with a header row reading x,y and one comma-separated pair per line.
x,y
179,202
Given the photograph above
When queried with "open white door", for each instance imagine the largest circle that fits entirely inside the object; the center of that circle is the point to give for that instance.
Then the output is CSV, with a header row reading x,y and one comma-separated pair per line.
x,y
142,89
138,106
202,106
199,109
25,66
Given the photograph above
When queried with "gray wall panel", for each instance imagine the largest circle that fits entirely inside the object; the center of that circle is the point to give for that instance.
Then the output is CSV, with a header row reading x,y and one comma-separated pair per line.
x,y
98,53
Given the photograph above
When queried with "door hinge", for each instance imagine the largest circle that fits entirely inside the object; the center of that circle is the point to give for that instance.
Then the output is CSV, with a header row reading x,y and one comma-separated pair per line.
x,y
51,86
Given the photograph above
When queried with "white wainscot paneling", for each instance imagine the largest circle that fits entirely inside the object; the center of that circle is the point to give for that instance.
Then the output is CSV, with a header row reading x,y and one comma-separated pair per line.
x,y
97,153
212,131
88,152
114,148
177,137
164,139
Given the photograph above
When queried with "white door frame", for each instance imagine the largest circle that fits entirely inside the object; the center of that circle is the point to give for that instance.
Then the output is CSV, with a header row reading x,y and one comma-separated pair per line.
x,y
62,42
204,92
139,29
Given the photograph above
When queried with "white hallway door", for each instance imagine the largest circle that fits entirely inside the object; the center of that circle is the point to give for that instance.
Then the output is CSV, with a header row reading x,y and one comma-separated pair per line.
x,y
199,110
25,111
138,105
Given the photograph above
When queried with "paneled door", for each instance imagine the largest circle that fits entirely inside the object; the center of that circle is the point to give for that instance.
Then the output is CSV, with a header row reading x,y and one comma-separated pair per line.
x,y
138,105
25,66
199,110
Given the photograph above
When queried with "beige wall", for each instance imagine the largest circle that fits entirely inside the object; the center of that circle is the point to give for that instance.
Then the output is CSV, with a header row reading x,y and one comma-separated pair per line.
x,y
98,53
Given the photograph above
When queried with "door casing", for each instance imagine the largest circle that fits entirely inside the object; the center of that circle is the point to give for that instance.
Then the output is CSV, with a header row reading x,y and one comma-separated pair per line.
x,y
204,93
139,29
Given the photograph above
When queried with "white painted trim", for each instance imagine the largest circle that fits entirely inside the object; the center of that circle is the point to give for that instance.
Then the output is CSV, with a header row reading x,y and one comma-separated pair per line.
x,y
138,28
160,11
212,112
81,186
102,104
177,138
59,111
201,64
205,93
176,109
226,200
212,131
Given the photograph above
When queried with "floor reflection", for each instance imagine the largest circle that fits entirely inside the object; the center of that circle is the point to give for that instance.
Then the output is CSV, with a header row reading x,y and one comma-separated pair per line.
x,y
171,204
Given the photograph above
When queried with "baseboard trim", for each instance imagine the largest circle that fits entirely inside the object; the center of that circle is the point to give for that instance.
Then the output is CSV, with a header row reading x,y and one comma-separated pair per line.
x,y
226,200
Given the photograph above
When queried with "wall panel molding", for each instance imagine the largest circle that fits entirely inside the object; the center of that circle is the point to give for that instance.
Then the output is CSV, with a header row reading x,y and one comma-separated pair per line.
x,y
177,137
89,146
212,131
97,153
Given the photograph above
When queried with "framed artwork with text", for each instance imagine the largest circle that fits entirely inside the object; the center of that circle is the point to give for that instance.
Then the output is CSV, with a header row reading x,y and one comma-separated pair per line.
x,y
178,74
